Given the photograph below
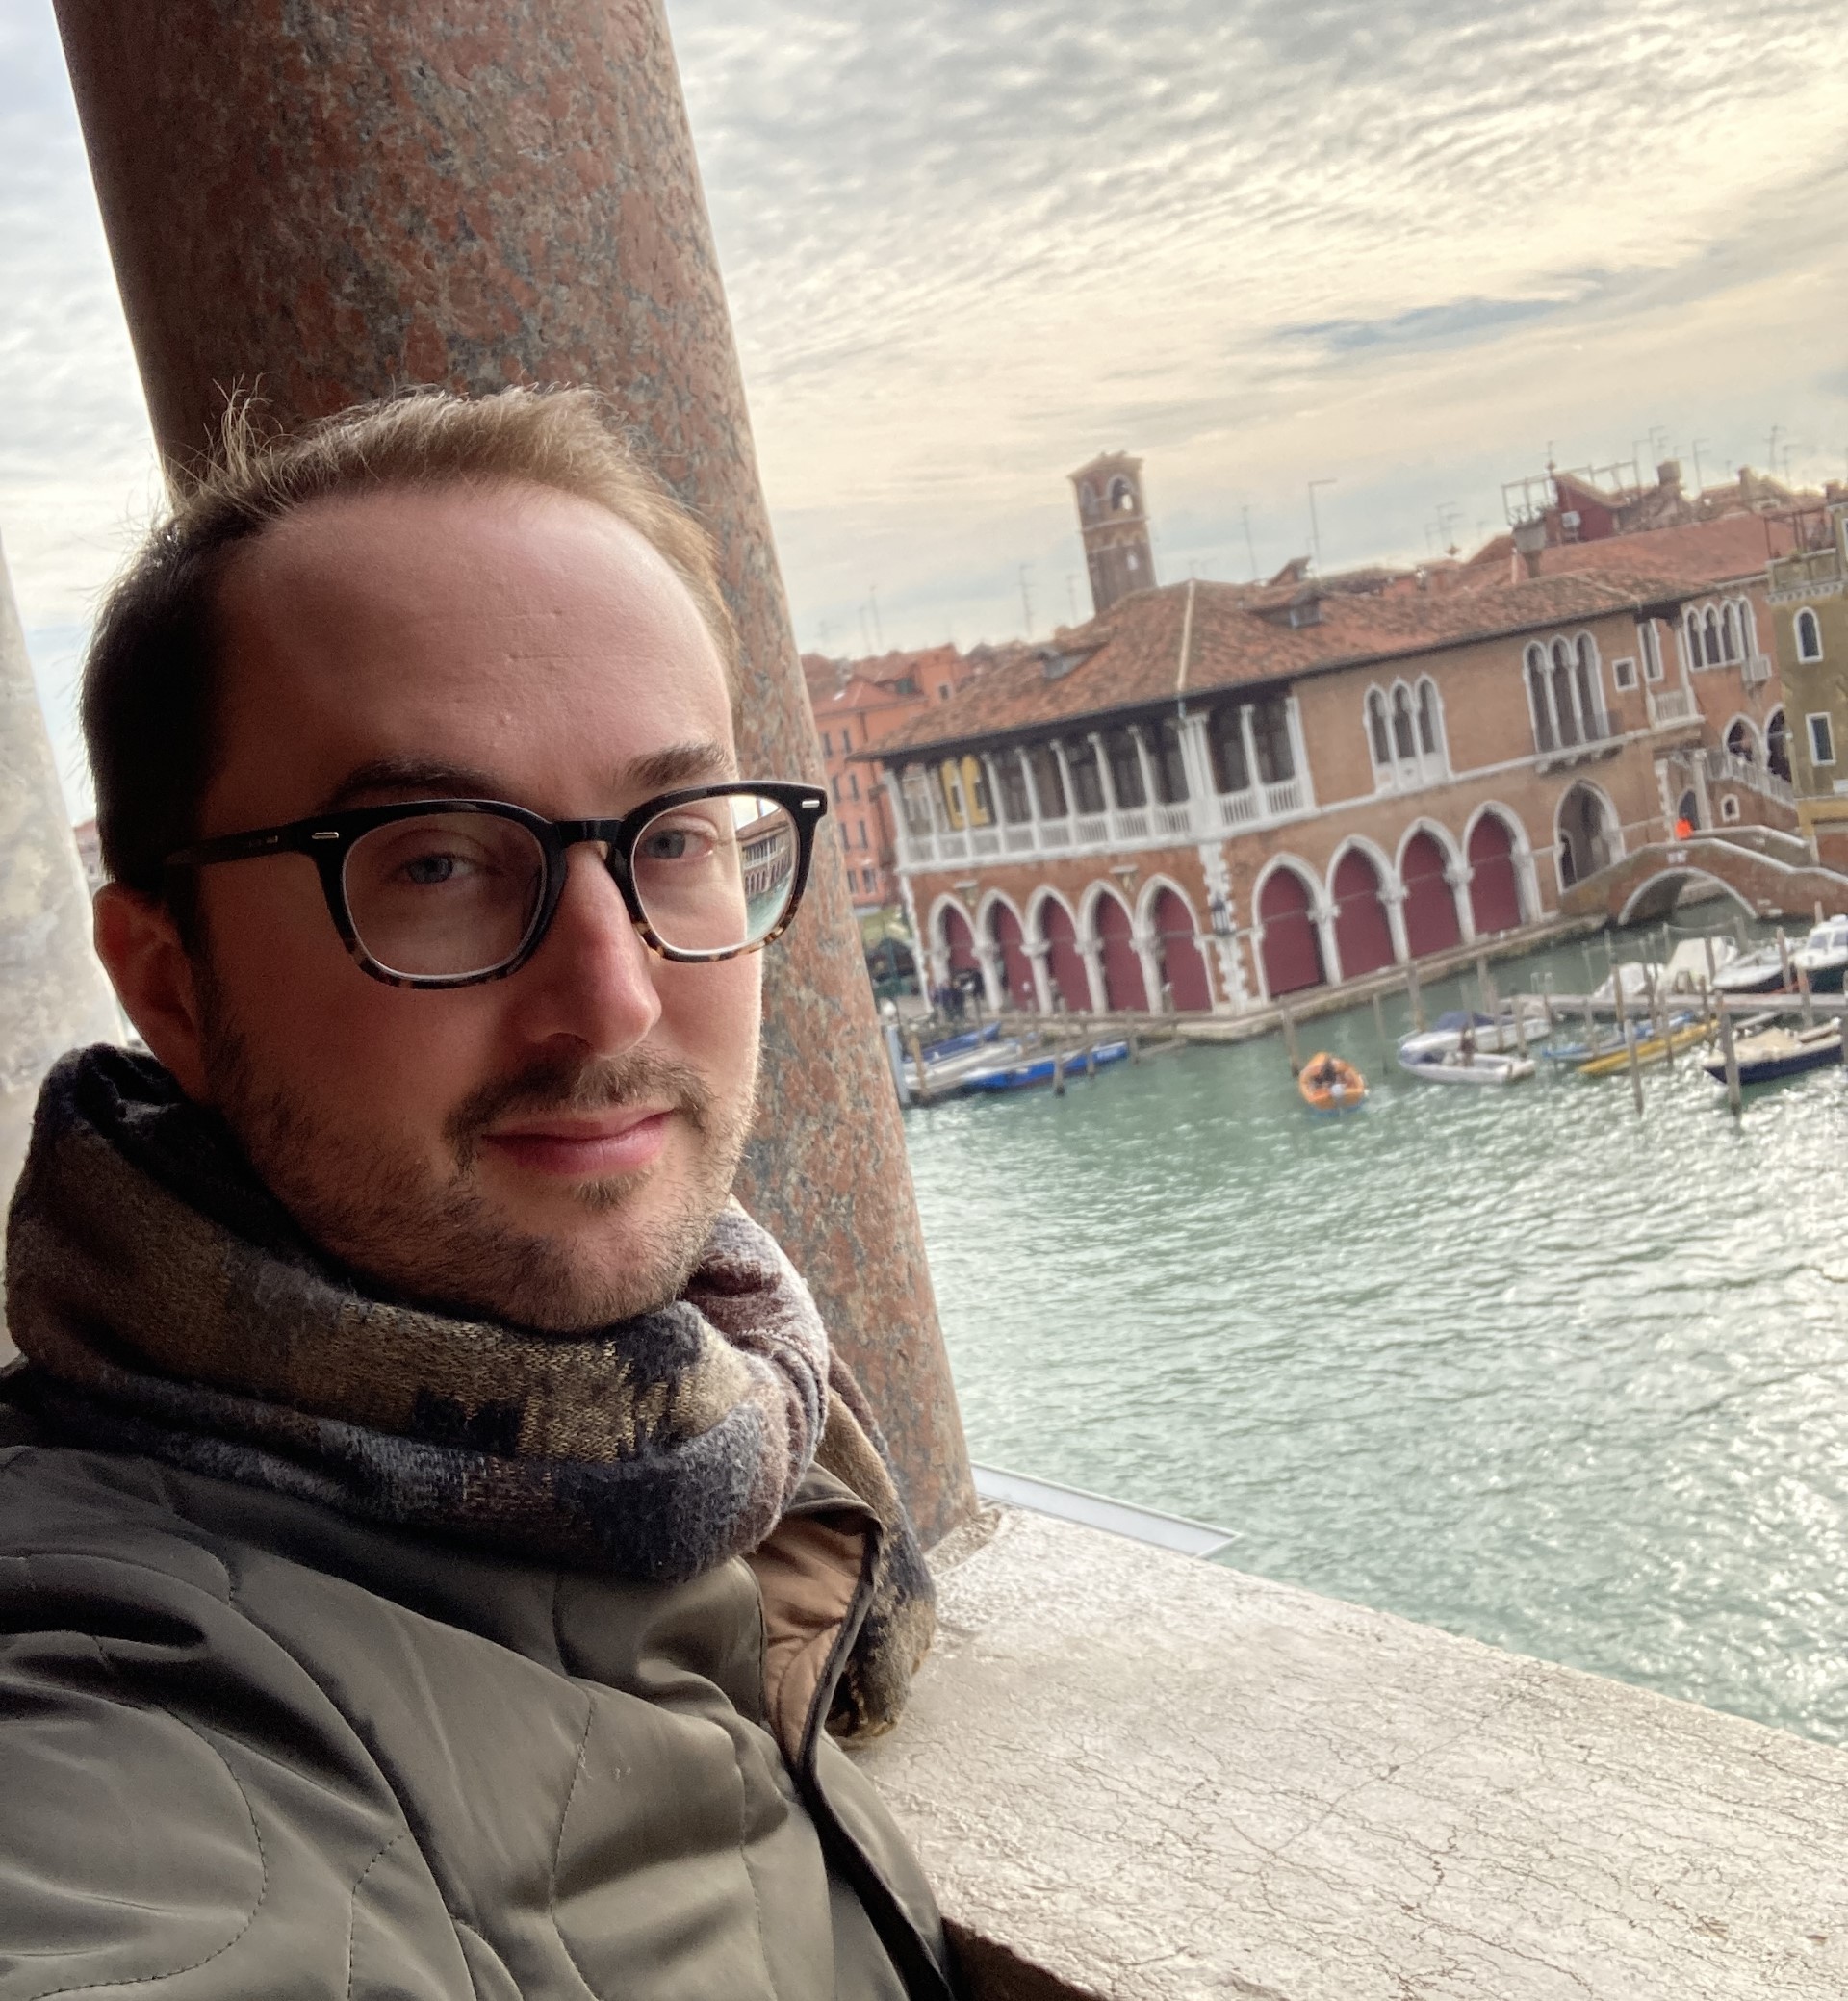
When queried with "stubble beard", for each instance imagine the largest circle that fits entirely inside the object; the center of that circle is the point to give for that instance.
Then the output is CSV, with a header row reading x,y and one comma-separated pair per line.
x,y
442,1241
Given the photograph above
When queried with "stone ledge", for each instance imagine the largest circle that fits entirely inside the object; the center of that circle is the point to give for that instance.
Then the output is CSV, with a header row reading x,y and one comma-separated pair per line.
x,y
1142,1777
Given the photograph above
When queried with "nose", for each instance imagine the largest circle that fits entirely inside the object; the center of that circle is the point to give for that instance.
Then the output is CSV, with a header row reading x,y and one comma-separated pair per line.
x,y
593,978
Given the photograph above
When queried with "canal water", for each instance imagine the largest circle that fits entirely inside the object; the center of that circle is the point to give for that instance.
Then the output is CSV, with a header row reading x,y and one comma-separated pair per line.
x,y
1512,1362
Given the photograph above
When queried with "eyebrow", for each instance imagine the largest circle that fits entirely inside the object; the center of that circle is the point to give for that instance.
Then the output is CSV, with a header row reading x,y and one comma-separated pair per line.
x,y
660,771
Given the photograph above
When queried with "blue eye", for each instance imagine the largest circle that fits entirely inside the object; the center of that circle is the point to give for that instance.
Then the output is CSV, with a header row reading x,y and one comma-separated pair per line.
x,y
429,869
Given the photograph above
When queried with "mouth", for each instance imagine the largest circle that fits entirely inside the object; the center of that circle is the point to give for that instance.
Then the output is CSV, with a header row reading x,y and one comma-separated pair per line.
x,y
584,1146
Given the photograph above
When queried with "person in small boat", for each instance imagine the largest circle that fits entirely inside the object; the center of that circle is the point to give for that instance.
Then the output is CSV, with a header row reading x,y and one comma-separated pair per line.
x,y
1327,1074
1466,1046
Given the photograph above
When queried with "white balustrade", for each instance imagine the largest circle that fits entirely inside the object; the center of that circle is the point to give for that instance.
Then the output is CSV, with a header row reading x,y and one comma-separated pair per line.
x,y
1282,798
1132,824
1176,819
1673,706
1018,839
1237,809
1055,833
953,847
1091,829
986,841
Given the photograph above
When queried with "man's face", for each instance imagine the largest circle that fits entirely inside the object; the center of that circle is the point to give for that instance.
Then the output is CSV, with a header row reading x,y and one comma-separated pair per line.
x,y
551,1147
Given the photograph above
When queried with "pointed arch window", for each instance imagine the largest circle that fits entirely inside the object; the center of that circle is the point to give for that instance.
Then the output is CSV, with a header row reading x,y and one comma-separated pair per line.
x,y
1430,731
1404,744
1714,656
1730,626
1377,735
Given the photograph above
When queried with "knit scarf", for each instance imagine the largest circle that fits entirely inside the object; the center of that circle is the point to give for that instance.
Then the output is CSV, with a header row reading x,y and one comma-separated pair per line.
x,y
168,1304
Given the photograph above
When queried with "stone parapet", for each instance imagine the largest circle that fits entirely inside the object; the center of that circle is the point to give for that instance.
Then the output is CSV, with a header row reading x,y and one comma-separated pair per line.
x,y
1141,1776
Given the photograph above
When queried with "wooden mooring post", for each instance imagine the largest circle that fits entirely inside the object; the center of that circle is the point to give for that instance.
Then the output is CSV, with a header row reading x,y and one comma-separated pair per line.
x,y
1629,1041
1059,1070
1485,985
1415,994
1783,956
1729,1056
1809,1005
1379,1025
1289,1040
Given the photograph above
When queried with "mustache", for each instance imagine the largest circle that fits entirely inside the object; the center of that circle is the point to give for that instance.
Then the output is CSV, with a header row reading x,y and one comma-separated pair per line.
x,y
594,1085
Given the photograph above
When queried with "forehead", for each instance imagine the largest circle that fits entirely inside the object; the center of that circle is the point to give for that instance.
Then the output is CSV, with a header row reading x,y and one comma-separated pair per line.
x,y
506,630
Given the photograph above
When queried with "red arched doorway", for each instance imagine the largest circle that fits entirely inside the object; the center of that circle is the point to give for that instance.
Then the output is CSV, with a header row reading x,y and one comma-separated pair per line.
x,y
961,942
1124,988
1183,969
1016,971
1064,965
1363,935
1494,892
1430,908
1292,950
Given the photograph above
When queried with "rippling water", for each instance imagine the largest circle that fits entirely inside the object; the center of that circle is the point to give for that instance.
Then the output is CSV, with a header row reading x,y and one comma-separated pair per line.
x,y
1510,1362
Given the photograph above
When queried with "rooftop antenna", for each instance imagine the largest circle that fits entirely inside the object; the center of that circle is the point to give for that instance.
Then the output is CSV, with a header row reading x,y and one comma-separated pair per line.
x,y
1777,431
879,631
1699,488
1026,599
1250,550
1656,430
1446,513
1315,524
866,637
1071,594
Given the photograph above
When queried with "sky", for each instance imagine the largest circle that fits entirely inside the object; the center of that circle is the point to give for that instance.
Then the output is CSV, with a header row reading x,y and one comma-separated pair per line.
x,y
1407,250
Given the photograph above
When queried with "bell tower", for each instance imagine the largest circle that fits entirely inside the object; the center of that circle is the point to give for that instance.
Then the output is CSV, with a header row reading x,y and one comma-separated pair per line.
x,y
1115,525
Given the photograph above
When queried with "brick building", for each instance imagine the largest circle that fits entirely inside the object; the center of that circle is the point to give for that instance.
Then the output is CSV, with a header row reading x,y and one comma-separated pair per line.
x,y
1222,794
856,702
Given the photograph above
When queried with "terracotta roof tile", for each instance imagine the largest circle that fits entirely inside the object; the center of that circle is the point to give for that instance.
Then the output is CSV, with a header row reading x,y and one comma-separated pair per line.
x,y
1130,657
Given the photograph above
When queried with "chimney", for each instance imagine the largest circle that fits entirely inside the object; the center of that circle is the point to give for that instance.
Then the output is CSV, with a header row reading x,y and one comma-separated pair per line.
x,y
1668,475
1530,539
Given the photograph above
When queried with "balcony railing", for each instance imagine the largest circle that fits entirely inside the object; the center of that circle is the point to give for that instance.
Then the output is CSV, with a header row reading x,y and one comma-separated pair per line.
x,y
1670,706
1159,823
1756,777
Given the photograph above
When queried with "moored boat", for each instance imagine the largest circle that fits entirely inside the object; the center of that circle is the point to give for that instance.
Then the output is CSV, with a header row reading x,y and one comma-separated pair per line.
x,y
1823,955
1650,1048
1454,1060
1778,1052
1328,1084
1759,971
1024,1076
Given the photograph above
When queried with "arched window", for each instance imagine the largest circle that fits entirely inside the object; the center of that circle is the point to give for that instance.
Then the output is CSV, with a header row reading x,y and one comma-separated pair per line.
x,y
1377,727
1713,653
1738,742
1565,710
1691,638
1430,735
1777,745
1122,496
1808,635
1735,644
1584,681
1404,744
1536,673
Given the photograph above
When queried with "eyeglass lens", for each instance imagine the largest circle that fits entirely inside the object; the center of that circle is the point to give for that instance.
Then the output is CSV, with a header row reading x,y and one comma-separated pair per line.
x,y
444,895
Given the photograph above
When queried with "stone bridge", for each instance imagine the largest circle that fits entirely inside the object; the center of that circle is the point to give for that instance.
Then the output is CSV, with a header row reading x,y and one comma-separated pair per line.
x,y
1766,875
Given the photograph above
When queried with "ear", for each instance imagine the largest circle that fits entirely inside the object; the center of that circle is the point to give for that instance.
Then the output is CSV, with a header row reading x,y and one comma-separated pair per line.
x,y
140,945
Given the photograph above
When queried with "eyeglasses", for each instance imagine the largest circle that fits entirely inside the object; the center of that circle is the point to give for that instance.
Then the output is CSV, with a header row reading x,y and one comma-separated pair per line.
x,y
448,893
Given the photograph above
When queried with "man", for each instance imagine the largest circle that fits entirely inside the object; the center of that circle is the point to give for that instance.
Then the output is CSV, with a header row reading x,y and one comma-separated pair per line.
x,y
436,1541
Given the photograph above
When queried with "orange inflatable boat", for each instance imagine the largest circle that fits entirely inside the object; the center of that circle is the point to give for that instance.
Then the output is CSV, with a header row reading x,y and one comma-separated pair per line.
x,y
1329,1085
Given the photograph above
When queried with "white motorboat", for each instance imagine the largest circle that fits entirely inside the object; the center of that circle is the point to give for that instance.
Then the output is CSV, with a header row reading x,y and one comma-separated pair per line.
x,y
1640,979
1697,963
1457,1064
1823,955
1759,971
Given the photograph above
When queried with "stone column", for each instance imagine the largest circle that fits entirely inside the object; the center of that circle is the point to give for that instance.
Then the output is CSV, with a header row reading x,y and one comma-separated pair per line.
x,y
1105,778
1066,785
1038,952
1300,747
53,992
1249,736
330,199
997,799
1145,765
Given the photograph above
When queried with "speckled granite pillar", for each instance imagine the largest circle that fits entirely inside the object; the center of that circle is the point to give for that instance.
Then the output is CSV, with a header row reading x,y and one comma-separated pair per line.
x,y
329,199
53,994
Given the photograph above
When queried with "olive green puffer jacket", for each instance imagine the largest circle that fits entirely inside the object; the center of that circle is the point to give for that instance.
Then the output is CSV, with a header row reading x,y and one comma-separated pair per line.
x,y
252,1748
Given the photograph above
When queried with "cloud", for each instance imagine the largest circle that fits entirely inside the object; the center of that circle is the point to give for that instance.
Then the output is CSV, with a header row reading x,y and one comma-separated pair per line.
x,y
968,243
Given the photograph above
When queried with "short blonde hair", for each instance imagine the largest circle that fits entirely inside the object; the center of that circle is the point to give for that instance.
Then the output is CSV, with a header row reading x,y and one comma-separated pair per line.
x,y
148,681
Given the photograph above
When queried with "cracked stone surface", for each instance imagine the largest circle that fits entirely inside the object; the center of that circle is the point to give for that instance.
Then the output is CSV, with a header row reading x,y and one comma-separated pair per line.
x,y
1150,1777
